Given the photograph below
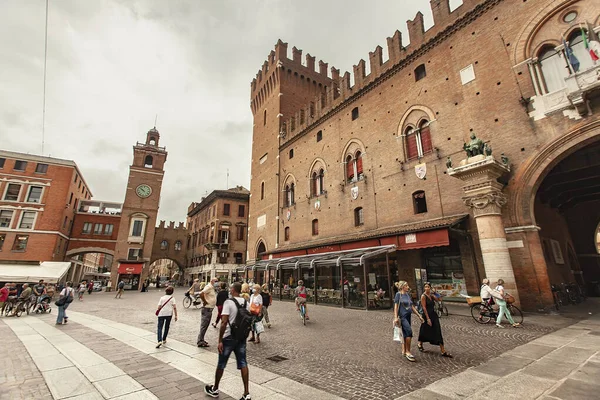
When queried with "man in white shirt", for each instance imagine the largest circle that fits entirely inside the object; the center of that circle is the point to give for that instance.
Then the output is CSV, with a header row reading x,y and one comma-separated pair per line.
x,y
209,300
487,292
227,344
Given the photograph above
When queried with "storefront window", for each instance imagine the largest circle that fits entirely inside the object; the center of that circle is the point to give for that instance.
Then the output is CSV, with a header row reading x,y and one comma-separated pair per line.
x,y
353,286
308,276
328,286
378,284
289,283
445,270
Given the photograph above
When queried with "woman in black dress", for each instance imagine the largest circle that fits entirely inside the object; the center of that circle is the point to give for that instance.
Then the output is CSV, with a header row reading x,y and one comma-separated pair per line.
x,y
431,331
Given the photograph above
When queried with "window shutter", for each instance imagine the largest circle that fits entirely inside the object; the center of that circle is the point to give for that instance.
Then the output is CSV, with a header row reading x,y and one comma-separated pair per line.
x,y
411,147
426,140
349,168
359,167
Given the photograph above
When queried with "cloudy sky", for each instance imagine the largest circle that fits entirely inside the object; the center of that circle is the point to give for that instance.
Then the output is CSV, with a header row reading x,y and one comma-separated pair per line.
x,y
114,64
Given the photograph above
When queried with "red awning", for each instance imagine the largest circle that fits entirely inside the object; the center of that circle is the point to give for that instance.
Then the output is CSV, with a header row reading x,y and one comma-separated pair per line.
x,y
133,269
421,240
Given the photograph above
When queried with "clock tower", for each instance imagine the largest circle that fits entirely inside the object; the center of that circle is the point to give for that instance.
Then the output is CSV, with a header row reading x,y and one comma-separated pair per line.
x,y
138,216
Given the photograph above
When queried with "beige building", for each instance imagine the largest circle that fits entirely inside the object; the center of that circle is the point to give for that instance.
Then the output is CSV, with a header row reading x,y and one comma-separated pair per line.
x,y
217,237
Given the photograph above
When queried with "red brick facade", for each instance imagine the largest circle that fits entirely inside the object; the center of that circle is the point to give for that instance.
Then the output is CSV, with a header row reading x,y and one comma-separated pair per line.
x,y
423,88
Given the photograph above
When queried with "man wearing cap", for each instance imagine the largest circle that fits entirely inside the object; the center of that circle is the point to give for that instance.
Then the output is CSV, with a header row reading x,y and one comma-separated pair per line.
x,y
209,300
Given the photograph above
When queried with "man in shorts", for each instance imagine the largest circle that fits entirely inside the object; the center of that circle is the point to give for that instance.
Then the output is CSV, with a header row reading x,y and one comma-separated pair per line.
x,y
120,288
227,344
301,297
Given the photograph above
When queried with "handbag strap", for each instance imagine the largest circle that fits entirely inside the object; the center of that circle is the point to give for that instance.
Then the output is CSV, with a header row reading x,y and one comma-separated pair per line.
x,y
165,303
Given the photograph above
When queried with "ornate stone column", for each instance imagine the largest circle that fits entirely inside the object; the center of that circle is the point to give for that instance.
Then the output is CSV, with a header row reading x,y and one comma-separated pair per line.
x,y
483,194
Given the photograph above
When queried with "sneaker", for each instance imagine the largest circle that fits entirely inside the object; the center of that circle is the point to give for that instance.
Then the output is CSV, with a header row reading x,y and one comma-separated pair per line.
x,y
159,344
209,390
499,326
165,341
246,397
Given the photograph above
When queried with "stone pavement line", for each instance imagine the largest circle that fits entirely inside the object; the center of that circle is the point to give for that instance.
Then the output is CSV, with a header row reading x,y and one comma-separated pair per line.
x,y
70,369
561,365
19,377
201,364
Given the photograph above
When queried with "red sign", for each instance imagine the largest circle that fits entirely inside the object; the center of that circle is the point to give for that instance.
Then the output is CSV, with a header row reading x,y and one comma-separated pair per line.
x,y
133,269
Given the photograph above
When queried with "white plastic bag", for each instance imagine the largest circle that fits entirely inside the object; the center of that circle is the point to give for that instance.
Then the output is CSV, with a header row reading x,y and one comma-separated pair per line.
x,y
398,334
259,327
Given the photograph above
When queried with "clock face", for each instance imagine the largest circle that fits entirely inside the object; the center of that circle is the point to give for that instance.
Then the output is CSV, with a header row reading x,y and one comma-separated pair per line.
x,y
143,191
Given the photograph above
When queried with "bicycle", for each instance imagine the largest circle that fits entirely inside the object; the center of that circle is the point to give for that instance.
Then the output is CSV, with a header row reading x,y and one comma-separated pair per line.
x,y
303,313
188,301
484,313
440,308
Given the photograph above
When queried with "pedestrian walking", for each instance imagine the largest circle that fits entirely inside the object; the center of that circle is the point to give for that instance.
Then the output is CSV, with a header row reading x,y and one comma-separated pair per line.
x,y
81,290
221,297
235,322
502,309
120,288
403,309
209,300
90,287
430,331
66,297
245,291
267,301
167,308
256,306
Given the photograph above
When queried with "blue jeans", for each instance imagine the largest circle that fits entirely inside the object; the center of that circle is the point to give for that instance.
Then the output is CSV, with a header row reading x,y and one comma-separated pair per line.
x,y
166,321
62,315
235,346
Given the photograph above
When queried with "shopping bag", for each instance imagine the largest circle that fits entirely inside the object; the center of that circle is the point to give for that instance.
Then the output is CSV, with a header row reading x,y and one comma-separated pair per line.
x,y
398,334
259,327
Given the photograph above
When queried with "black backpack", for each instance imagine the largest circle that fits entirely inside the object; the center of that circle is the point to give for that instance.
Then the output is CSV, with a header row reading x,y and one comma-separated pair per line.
x,y
242,324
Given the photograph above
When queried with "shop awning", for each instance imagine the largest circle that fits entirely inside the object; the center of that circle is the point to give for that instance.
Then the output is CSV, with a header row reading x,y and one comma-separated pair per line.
x,y
352,257
133,269
49,271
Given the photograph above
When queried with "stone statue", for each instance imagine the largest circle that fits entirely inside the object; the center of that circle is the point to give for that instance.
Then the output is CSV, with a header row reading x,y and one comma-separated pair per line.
x,y
504,159
475,146
449,163
488,149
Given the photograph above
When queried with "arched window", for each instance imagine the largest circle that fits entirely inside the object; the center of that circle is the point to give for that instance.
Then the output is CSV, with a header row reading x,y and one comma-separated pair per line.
x,y
579,50
260,249
420,72
354,113
358,217
349,168
354,167
265,118
418,141
554,69
321,182
152,141
419,202
286,233
315,227
292,193
148,162
262,190
358,164
289,195
164,245
314,184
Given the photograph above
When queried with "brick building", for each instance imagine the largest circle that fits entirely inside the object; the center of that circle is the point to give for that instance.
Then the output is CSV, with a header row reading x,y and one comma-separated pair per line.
x,y
217,238
341,166
40,196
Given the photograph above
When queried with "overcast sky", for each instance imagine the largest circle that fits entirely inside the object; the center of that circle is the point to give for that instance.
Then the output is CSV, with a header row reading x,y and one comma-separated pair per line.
x,y
114,64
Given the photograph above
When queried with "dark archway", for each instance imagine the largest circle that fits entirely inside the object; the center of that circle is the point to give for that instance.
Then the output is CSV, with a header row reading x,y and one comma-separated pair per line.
x,y
260,249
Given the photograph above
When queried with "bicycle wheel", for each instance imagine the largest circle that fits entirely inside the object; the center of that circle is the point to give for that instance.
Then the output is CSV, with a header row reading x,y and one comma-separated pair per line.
x,y
516,314
445,310
30,307
187,302
303,314
18,311
480,314
438,311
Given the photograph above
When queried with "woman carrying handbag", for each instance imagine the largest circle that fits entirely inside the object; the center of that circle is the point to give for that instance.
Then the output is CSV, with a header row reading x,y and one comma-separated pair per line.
x,y
256,305
166,309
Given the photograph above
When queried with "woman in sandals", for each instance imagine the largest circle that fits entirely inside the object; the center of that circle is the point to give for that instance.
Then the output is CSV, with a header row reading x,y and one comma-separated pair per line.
x,y
430,331
403,309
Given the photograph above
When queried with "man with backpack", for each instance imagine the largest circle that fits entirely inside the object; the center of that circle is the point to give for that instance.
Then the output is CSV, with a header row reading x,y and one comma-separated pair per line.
x,y
120,288
236,323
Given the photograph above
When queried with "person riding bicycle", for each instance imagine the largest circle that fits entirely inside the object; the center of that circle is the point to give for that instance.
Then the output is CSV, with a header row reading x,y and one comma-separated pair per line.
x,y
301,295
39,290
195,289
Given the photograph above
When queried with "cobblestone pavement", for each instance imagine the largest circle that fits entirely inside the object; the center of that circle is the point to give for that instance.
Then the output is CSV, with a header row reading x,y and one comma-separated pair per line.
x,y
345,352
19,377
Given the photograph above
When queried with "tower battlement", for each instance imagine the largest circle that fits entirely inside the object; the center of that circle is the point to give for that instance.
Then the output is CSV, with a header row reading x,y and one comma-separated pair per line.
x,y
338,88
161,225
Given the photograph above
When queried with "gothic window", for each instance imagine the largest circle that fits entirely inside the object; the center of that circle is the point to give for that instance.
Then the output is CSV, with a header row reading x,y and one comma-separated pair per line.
x,y
164,245
358,164
418,141
354,167
554,69
358,217
315,227
313,184
148,162
321,183
317,183
289,194
419,202
350,168
420,72
354,113
286,234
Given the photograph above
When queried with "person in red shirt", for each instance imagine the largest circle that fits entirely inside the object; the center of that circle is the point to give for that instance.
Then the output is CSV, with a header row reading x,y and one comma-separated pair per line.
x,y
3,296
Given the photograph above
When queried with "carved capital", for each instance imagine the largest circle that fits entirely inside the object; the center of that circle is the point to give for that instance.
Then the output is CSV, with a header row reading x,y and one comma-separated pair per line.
x,y
486,203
